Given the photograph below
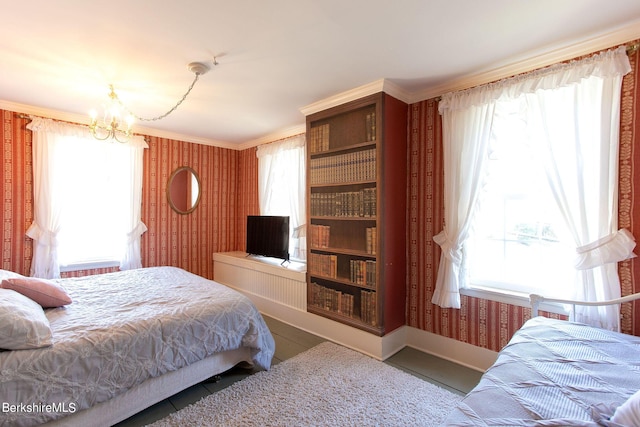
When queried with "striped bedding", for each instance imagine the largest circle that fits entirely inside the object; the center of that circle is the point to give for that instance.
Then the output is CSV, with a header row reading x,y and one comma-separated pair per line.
x,y
554,373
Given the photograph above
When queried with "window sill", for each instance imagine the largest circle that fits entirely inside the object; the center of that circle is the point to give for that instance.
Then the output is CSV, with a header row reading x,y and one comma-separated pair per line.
x,y
513,298
89,266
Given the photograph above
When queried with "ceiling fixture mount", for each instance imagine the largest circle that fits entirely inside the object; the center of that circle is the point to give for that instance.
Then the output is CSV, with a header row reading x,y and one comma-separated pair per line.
x,y
110,125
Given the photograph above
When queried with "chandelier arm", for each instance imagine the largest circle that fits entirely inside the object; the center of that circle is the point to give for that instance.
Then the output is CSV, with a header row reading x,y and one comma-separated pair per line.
x,y
144,119
121,141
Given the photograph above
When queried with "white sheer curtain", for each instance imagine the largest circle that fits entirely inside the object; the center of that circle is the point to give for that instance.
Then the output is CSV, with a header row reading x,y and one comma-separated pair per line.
x,y
131,255
579,151
577,128
466,132
51,140
281,187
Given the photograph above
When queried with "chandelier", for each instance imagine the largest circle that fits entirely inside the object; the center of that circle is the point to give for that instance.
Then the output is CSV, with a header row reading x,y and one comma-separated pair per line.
x,y
112,127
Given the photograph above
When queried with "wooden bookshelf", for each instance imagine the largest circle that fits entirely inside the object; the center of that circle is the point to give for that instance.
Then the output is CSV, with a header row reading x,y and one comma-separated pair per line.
x,y
356,212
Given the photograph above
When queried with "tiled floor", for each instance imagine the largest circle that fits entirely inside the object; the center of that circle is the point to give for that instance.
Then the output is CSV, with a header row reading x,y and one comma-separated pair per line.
x,y
291,341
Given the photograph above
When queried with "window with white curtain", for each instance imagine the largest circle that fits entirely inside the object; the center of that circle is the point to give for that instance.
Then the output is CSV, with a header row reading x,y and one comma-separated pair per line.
x,y
87,196
530,182
281,187
518,226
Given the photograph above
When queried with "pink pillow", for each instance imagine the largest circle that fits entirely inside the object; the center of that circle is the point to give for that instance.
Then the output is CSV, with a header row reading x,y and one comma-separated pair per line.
x,y
44,292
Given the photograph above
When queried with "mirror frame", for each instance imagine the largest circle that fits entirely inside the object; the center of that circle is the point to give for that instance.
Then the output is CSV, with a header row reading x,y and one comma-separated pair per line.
x,y
170,181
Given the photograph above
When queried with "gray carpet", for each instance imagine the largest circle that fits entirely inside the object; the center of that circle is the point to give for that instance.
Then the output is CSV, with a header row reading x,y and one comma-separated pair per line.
x,y
328,385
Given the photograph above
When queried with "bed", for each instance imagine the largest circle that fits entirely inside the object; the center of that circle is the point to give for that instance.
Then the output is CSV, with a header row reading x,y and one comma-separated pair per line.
x,y
126,341
557,373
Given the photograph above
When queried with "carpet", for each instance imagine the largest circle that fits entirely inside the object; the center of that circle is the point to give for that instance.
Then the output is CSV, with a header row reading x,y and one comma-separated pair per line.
x,y
328,385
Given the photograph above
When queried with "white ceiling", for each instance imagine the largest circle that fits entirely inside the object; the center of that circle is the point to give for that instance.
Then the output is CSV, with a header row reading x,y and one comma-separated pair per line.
x,y
57,58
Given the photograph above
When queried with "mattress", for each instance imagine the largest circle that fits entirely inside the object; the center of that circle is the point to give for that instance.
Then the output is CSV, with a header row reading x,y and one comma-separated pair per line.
x,y
554,373
121,329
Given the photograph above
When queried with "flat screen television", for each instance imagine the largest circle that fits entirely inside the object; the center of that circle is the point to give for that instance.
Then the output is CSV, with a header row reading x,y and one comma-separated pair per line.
x,y
268,236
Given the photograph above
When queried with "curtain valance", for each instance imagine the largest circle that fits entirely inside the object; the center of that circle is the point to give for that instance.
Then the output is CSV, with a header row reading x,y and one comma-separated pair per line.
x,y
606,64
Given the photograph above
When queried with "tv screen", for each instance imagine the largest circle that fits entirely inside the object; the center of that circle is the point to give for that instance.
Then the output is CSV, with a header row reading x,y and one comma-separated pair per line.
x,y
268,236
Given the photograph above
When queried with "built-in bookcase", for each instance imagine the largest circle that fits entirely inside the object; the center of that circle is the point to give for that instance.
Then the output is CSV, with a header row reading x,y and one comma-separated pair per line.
x,y
356,207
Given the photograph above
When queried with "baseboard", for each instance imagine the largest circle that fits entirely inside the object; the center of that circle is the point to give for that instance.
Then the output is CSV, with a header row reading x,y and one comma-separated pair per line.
x,y
377,347
471,356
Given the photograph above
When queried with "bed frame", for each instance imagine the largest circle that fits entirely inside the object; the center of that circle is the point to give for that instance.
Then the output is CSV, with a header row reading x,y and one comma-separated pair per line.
x,y
535,300
154,390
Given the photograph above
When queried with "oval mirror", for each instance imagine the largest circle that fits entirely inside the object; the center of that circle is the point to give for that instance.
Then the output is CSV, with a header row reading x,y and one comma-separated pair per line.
x,y
183,190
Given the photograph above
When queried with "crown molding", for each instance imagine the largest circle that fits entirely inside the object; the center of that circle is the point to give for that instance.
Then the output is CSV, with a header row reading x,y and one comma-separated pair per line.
x,y
185,138
381,85
276,136
43,112
533,60
84,120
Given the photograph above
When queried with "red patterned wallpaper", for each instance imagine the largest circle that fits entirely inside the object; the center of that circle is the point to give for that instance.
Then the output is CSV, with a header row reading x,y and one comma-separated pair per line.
x,y
629,191
189,241
17,191
248,203
481,322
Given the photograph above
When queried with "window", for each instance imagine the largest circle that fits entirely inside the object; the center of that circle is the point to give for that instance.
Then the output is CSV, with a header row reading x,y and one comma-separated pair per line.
x,y
95,195
519,242
531,170
87,199
281,187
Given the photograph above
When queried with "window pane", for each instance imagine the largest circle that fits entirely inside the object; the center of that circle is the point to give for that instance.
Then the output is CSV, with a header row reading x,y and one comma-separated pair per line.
x,y
519,240
93,181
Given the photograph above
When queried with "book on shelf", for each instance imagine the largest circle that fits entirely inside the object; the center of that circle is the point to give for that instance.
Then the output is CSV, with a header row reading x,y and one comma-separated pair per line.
x,y
371,236
320,235
319,138
368,307
323,265
371,126
363,272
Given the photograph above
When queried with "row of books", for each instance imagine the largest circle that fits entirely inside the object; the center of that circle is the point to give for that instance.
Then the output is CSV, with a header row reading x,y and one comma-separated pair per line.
x,y
331,300
323,265
344,303
344,168
319,235
363,272
318,138
360,203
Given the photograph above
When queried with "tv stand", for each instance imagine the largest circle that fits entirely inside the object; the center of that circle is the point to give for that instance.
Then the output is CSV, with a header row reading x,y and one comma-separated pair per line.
x,y
266,257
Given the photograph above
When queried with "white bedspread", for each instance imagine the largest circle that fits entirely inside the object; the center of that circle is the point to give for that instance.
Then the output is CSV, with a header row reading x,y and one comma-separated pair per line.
x,y
121,329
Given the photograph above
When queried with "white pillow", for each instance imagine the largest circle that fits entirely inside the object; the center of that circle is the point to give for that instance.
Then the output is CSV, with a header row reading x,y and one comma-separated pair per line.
x,y
628,414
6,274
23,324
